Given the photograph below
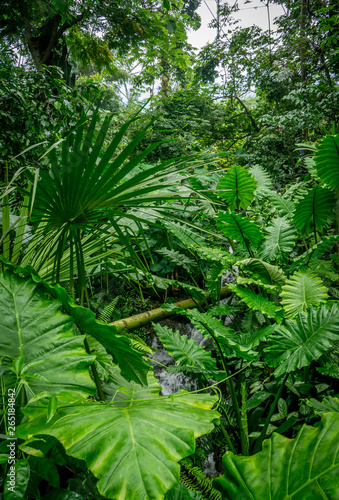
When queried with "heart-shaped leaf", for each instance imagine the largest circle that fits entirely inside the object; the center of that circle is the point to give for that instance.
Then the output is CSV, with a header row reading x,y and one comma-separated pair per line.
x,y
132,444
306,467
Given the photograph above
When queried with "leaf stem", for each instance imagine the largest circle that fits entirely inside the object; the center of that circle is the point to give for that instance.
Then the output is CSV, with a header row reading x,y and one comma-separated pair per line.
x,y
227,438
260,439
95,373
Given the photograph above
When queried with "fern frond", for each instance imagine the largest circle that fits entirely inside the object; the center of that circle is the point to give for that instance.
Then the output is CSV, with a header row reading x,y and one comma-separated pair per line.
x,y
106,313
194,479
212,327
217,255
178,258
136,342
281,203
255,281
185,351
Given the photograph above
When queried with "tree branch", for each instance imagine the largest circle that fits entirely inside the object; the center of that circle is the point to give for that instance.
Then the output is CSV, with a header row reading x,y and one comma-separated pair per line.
x,y
247,111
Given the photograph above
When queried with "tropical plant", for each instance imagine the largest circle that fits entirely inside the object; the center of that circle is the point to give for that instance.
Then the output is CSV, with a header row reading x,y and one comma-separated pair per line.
x,y
46,364
92,193
302,290
237,188
241,229
286,468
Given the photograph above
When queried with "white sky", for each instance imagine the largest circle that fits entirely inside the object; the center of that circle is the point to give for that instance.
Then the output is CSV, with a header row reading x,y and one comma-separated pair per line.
x,y
250,13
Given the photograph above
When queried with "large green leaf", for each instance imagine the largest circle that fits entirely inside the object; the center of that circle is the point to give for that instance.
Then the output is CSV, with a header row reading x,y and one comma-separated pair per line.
x,y
258,302
22,475
327,161
327,405
185,351
88,186
38,336
302,290
313,211
267,273
237,187
240,229
304,340
325,245
281,203
132,444
304,468
279,241
130,361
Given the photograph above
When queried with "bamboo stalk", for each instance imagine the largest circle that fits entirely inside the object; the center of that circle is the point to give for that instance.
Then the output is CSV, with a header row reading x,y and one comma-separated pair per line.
x,y
157,314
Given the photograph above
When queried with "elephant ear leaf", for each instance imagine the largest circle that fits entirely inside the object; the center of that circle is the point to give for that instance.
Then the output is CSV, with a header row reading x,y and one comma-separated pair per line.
x,y
237,188
132,444
279,241
286,469
47,356
327,405
265,272
240,229
130,361
257,302
313,211
302,290
327,161
302,341
281,203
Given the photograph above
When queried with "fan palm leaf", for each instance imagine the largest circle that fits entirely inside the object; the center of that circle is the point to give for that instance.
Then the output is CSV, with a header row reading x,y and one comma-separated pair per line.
x,y
89,186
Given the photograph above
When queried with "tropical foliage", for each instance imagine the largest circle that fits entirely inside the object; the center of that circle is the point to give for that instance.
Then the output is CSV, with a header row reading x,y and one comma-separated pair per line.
x,y
213,204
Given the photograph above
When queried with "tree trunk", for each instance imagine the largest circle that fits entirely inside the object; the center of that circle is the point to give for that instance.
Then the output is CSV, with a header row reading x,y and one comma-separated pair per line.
x,y
302,41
